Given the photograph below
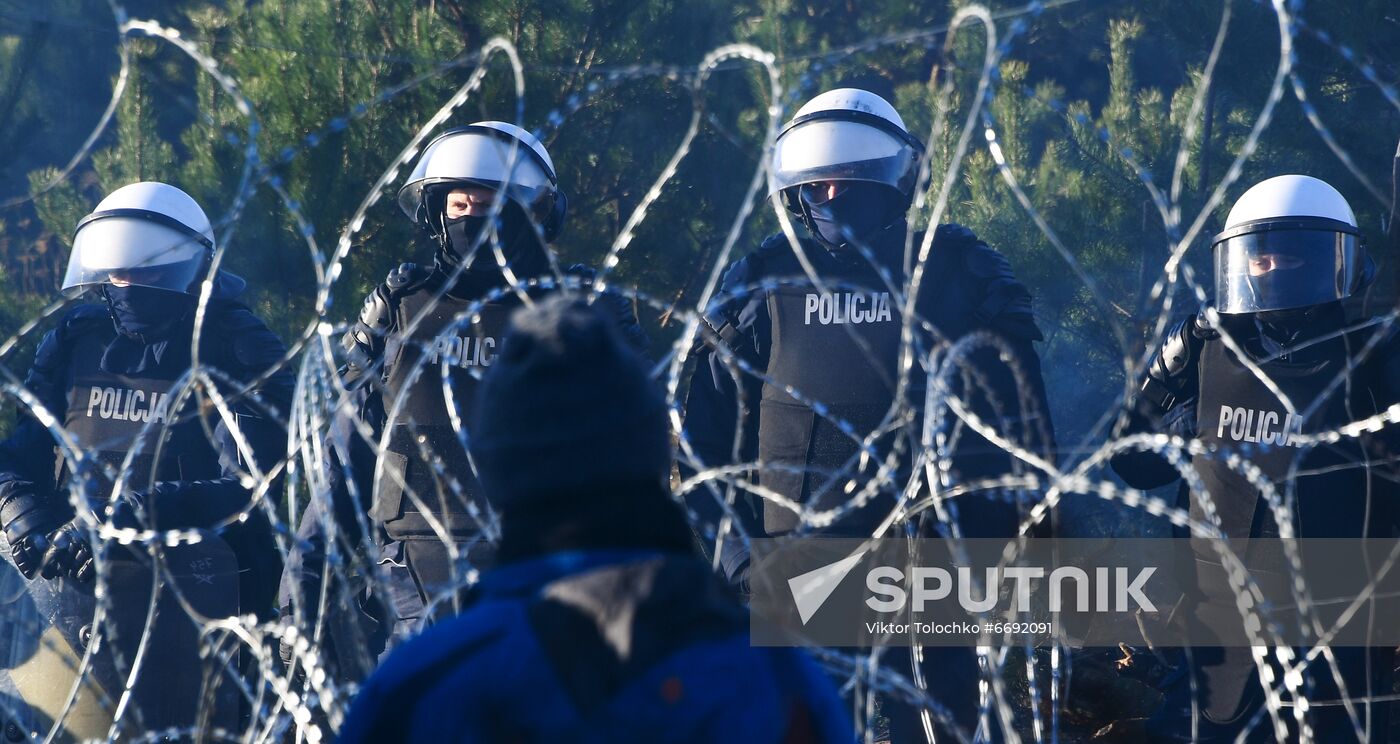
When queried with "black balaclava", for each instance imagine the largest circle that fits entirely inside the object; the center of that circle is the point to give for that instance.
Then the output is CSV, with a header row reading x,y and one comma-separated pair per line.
x,y
147,320
855,214
1308,279
144,314
1281,329
524,252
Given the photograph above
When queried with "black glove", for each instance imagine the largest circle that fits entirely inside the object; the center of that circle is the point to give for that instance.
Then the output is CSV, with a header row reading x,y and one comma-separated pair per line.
x,y
27,551
69,554
28,522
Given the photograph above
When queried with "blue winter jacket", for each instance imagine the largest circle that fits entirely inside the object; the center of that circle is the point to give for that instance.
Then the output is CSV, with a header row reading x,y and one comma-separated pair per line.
x,y
597,646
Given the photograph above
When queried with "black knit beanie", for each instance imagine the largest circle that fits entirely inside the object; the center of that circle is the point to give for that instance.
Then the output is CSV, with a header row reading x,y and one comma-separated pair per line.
x,y
565,407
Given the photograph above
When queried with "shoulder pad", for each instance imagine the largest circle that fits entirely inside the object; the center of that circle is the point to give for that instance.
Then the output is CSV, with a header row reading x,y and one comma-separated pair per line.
x,y
364,342
233,317
255,346
406,278
982,260
50,353
775,243
774,249
83,318
1002,297
1386,354
53,347
736,275
768,259
953,232
234,334
737,285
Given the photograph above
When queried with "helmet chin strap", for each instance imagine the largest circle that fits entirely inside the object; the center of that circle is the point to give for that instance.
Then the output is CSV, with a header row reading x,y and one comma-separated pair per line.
x,y
811,225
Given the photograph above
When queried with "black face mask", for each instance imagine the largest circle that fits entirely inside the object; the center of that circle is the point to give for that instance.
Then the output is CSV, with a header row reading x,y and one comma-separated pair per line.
x,y
461,233
856,213
145,314
523,251
1279,286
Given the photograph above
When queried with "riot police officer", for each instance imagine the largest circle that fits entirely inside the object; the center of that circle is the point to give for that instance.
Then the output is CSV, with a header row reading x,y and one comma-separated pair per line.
x,y
827,352
1289,255
488,197
107,371
115,376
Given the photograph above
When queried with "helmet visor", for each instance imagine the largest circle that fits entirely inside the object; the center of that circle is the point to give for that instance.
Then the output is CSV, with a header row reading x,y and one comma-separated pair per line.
x,y
131,251
1283,269
484,159
841,150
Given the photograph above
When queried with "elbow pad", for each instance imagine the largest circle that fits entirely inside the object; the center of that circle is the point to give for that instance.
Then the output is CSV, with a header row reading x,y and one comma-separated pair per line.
x,y
1173,368
364,342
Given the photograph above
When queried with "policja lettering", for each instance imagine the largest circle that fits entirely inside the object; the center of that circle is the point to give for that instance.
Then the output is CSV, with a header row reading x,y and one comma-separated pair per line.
x,y
1262,427
840,308
125,404
463,351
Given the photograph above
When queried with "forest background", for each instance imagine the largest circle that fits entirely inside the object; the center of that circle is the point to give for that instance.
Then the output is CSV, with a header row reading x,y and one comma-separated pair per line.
x,y
1087,95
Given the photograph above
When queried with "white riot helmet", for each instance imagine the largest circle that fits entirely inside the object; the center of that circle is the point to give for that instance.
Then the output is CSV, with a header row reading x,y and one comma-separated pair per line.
x,y
845,134
1289,242
494,155
147,234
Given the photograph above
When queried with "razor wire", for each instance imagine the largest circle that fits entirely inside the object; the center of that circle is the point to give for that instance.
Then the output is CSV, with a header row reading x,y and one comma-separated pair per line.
x,y
307,701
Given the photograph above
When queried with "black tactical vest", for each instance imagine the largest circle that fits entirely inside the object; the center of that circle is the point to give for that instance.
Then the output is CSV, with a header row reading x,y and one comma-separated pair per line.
x,y
419,417
109,415
840,350
1340,490
837,350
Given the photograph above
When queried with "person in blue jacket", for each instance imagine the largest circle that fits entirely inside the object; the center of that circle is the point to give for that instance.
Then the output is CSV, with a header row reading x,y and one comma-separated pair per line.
x,y
109,373
600,622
